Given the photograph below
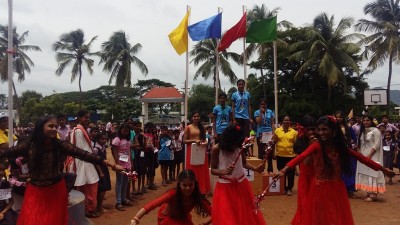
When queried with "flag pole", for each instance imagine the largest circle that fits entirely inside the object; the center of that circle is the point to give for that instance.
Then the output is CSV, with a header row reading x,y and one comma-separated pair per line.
x,y
244,57
217,67
10,53
187,74
276,82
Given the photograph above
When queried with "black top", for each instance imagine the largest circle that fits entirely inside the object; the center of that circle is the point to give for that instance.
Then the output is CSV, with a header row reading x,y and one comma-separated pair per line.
x,y
53,159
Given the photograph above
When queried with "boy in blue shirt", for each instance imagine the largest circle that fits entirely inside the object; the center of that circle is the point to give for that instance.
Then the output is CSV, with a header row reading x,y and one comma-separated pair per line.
x,y
222,116
241,107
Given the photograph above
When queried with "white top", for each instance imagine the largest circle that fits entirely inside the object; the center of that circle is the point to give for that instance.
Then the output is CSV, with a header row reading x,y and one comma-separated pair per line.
x,y
371,138
225,160
85,171
108,126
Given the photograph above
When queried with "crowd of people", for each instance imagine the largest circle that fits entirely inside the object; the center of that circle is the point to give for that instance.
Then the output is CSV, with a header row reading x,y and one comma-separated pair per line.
x,y
346,157
336,155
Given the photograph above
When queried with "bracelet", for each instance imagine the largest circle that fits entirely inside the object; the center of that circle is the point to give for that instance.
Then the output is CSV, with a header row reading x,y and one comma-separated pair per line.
x,y
136,219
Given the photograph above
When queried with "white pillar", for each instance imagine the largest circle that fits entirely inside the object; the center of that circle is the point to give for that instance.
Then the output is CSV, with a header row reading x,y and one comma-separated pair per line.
x,y
182,111
145,112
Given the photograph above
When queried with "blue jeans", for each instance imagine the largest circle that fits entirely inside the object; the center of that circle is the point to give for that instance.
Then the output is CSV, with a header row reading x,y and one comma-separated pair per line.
x,y
121,185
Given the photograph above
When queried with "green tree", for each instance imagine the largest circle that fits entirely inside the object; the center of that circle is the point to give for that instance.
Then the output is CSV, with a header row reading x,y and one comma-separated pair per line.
x,y
71,48
146,85
201,99
384,42
21,62
30,94
118,55
204,52
329,49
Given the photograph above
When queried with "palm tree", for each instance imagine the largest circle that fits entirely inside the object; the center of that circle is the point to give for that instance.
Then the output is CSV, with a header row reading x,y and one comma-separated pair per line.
x,y
327,49
204,51
71,48
21,63
117,55
384,43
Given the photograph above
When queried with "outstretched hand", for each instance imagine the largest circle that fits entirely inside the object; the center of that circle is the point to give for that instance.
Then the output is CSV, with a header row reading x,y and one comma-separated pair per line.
x,y
260,168
279,174
389,173
118,168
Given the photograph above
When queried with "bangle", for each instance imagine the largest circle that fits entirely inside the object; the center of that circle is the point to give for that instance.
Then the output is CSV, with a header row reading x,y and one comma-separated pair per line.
x,y
136,219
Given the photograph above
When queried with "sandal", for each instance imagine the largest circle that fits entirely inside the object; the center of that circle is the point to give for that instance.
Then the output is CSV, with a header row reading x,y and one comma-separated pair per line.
x,y
152,187
352,195
127,203
370,199
91,215
119,207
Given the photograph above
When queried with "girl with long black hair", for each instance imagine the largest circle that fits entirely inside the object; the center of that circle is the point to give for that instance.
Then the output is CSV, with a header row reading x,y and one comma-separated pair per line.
x,y
46,197
327,201
176,204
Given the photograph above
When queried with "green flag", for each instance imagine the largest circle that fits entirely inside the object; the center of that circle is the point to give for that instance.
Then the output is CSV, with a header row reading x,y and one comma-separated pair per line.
x,y
262,31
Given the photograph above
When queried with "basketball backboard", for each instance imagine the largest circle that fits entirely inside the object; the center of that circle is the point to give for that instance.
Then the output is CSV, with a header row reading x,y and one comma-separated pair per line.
x,y
375,97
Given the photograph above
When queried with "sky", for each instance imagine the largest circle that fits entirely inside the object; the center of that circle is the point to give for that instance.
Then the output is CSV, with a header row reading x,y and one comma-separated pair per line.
x,y
148,22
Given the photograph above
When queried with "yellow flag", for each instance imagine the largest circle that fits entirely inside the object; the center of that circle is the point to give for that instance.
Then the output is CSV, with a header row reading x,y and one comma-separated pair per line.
x,y
179,36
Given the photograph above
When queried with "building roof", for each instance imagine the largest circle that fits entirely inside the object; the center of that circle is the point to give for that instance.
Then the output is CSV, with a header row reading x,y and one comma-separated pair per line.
x,y
162,94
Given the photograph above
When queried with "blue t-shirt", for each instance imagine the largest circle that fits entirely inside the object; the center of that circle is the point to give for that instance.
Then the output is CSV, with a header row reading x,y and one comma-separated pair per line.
x,y
266,125
164,153
241,101
222,117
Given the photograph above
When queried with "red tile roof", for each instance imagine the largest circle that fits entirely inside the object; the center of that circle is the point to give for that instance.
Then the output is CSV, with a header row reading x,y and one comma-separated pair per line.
x,y
163,92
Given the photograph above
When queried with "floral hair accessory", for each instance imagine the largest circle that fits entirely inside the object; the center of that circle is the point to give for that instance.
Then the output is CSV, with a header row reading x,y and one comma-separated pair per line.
x,y
237,127
332,119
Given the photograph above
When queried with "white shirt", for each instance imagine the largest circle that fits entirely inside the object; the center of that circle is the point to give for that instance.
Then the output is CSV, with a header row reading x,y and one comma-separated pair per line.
x,y
85,171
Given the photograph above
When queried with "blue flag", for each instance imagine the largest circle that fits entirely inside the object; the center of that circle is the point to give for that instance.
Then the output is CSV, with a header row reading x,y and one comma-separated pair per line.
x,y
208,28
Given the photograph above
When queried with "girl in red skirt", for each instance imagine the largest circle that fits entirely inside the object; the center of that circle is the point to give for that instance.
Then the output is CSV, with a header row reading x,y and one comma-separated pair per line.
x,y
195,134
327,201
233,200
305,137
46,197
176,204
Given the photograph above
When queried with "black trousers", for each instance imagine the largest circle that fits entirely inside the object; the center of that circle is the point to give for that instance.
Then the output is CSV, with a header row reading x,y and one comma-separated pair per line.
x,y
289,177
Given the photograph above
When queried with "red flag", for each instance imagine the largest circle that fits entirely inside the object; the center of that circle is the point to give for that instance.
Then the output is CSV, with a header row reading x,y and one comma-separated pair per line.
x,y
237,31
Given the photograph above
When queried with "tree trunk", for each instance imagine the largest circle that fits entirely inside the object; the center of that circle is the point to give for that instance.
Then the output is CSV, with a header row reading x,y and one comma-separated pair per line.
x,y
388,83
329,94
263,84
80,88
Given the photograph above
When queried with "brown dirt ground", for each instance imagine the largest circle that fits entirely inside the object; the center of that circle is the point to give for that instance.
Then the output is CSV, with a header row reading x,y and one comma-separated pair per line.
x,y
277,210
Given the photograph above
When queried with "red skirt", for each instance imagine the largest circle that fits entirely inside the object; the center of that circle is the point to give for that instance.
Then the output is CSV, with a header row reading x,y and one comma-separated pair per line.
x,y
166,220
233,203
327,203
201,171
304,184
45,205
